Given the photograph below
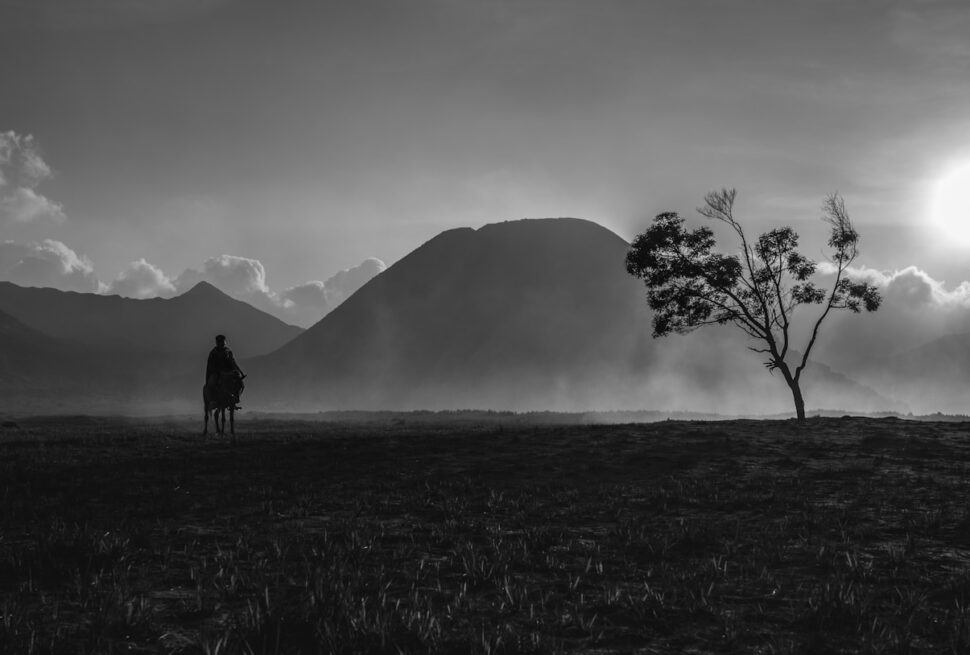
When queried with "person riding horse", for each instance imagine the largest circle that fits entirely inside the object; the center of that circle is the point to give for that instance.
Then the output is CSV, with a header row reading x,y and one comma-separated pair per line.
x,y
221,361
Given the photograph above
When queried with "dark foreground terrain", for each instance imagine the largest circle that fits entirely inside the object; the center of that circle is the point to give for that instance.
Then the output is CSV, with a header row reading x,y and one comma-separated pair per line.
x,y
469,535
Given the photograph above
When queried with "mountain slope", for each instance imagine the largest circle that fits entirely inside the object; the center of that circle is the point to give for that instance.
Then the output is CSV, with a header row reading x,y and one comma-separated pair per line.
x,y
184,324
39,373
531,314
934,377
473,317
25,354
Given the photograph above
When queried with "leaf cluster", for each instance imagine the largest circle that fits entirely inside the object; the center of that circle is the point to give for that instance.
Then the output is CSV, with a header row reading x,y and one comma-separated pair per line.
x,y
689,284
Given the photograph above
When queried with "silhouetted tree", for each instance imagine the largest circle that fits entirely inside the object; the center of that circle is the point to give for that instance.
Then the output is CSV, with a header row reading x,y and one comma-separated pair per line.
x,y
758,289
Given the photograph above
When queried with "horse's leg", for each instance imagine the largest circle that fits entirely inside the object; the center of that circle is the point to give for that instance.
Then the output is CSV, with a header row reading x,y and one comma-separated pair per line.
x,y
205,412
220,416
232,422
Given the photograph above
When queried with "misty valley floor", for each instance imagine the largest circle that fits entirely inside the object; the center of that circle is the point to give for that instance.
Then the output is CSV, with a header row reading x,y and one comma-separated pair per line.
x,y
467,534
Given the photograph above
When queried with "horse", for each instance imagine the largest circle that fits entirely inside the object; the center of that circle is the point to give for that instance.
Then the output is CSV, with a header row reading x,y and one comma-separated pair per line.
x,y
223,395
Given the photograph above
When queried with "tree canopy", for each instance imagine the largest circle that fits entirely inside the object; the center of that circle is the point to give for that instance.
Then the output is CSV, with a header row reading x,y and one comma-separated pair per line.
x,y
757,289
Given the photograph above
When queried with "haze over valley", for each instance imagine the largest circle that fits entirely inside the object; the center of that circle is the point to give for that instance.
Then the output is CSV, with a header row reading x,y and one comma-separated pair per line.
x,y
526,315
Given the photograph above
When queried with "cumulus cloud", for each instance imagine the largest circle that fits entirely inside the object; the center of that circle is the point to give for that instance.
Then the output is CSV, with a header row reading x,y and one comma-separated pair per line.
x,y
916,309
244,278
234,275
345,283
22,170
140,279
309,302
48,263
305,304
53,264
910,287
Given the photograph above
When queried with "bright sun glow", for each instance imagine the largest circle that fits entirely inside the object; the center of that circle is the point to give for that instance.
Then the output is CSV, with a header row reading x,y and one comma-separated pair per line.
x,y
950,208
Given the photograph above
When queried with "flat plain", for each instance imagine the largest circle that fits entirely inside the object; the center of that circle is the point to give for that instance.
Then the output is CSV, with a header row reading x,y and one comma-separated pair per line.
x,y
481,533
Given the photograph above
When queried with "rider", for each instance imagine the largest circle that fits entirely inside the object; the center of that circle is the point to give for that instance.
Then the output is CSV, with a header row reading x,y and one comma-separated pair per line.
x,y
221,361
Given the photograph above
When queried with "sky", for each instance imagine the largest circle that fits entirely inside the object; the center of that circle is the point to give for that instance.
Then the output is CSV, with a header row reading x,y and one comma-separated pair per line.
x,y
288,151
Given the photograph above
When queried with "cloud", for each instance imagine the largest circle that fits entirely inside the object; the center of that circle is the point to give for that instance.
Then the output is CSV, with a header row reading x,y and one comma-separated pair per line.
x,y
141,279
910,287
345,283
234,275
51,263
307,303
916,309
22,169
244,278
47,264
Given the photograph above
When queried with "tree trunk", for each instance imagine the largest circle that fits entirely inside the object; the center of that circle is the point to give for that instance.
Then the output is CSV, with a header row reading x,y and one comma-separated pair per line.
x,y
796,392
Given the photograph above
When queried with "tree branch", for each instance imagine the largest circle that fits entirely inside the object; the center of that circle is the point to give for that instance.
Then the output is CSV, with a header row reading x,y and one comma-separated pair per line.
x,y
846,252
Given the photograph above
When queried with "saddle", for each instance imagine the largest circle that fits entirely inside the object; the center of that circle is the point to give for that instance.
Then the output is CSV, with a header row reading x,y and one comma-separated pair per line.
x,y
226,387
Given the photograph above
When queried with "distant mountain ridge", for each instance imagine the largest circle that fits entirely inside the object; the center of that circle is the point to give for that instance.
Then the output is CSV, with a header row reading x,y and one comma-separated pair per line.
x,y
62,349
185,323
521,315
